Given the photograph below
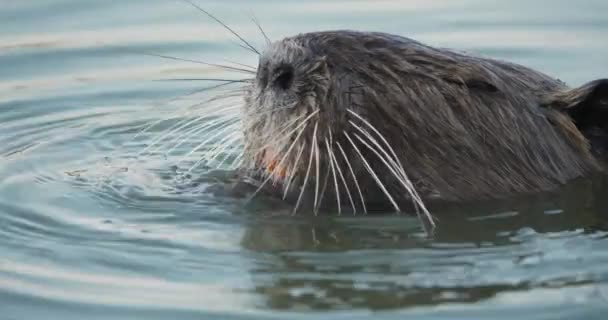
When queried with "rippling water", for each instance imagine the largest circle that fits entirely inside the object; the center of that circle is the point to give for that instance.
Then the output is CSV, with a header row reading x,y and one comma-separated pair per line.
x,y
92,227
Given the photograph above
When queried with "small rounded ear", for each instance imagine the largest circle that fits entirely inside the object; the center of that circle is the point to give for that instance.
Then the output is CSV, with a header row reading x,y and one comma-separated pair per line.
x,y
587,105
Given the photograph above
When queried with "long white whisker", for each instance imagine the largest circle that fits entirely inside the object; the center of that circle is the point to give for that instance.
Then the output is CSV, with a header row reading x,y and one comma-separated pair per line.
x,y
352,173
230,145
174,128
280,163
234,139
335,159
379,135
324,188
186,135
242,65
394,167
224,25
159,144
255,113
305,182
317,168
279,131
333,172
205,159
293,171
372,172
337,165
288,135
257,23
202,144
220,145
383,159
236,163
154,123
392,161
217,129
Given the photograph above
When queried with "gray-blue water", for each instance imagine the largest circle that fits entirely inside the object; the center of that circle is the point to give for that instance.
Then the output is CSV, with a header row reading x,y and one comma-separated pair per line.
x,y
91,227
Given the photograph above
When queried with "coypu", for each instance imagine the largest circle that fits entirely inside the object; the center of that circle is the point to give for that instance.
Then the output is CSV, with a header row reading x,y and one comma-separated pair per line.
x,y
360,119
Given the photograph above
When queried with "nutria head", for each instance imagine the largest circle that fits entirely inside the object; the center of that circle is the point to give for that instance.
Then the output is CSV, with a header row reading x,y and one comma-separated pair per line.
x,y
357,119
306,128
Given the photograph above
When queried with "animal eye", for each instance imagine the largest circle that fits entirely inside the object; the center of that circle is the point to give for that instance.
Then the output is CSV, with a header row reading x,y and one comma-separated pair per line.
x,y
284,77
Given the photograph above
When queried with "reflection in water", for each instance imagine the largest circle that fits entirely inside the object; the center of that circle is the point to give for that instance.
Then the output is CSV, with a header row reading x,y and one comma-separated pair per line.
x,y
478,252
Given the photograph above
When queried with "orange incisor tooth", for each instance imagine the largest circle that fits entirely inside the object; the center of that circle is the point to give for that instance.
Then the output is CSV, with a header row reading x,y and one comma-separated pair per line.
x,y
272,165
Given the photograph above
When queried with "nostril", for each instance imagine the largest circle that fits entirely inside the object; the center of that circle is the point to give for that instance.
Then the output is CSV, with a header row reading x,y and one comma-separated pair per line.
x,y
284,77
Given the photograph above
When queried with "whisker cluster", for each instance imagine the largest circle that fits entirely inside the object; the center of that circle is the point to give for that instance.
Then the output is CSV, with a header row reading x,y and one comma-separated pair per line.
x,y
282,148
363,136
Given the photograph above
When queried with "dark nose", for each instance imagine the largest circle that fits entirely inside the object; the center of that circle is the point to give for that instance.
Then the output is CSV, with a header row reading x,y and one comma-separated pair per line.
x,y
284,77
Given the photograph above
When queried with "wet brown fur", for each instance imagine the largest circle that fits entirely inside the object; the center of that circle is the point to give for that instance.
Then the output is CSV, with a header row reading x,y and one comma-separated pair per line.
x,y
463,127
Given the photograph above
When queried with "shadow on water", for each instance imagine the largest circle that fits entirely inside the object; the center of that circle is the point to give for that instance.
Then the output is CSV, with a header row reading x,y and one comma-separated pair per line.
x,y
477,252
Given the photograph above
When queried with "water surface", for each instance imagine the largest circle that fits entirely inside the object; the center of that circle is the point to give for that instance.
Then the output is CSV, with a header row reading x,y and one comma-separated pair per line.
x,y
91,227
